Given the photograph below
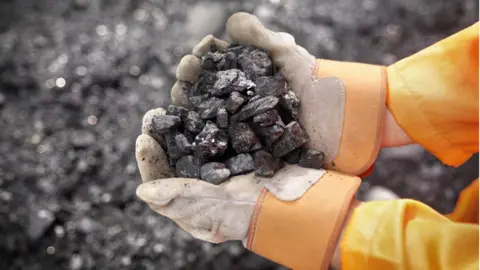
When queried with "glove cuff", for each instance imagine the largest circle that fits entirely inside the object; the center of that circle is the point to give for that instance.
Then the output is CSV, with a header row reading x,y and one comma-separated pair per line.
x,y
364,115
303,234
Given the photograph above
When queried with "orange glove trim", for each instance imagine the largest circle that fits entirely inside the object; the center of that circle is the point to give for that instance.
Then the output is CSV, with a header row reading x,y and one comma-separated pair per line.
x,y
365,105
303,234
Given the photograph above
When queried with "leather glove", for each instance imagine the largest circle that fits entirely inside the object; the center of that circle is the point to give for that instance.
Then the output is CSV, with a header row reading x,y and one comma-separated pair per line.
x,y
343,105
213,213
294,218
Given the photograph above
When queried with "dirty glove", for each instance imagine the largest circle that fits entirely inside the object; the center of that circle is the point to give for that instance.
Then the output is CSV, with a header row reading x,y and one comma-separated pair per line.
x,y
294,218
342,104
273,217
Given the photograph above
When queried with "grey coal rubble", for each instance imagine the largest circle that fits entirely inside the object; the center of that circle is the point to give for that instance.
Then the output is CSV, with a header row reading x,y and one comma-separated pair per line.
x,y
240,164
255,63
234,102
311,159
270,85
208,108
214,172
293,138
162,124
293,157
211,142
211,59
177,111
229,81
265,164
255,107
188,166
242,120
222,118
193,122
289,101
182,143
243,138
267,118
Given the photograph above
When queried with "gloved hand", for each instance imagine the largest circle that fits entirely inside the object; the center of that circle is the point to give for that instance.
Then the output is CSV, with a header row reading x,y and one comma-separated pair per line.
x,y
296,215
213,213
343,104
294,218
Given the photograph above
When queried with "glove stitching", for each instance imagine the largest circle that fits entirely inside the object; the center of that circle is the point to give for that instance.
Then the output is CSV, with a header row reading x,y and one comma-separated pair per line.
x,y
253,224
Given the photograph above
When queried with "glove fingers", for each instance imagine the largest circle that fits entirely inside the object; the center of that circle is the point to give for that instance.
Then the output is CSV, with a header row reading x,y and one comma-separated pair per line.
x,y
204,45
189,68
179,94
206,211
247,29
151,159
161,192
147,121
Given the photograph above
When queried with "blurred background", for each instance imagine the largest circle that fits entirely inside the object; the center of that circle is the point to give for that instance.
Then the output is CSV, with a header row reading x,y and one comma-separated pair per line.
x,y
76,77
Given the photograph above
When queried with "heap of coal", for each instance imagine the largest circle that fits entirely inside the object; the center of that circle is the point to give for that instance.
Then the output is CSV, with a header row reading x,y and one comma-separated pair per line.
x,y
243,118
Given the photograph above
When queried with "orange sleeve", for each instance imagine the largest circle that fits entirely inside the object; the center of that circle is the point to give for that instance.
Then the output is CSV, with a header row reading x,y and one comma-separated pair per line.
x,y
406,234
433,96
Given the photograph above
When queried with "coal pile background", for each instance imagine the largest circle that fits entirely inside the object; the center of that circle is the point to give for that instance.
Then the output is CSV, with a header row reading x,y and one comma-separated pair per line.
x,y
77,76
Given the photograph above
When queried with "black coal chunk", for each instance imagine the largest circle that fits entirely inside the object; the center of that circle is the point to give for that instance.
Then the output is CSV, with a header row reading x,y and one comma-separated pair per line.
x,y
208,108
188,166
211,59
230,62
205,82
189,135
210,142
237,49
174,152
237,123
193,122
255,63
293,157
270,134
293,138
182,143
289,101
214,172
265,164
311,159
234,102
240,164
255,107
162,124
222,118
243,138
267,118
177,111
270,86
230,80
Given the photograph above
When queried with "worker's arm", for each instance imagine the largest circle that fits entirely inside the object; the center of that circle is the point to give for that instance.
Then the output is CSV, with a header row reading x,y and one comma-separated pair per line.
x,y
406,234
433,96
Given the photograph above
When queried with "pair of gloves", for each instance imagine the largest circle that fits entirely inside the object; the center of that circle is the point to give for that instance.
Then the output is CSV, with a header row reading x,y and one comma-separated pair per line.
x,y
342,109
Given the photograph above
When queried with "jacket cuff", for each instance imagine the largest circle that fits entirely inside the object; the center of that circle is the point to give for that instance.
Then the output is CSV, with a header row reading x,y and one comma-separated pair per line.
x,y
303,234
410,114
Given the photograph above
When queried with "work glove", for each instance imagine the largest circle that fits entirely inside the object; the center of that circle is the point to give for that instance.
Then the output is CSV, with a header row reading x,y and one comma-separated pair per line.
x,y
343,105
293,218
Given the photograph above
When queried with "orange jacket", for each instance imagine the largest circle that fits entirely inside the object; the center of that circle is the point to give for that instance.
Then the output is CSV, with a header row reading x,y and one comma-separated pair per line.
x,y
433,96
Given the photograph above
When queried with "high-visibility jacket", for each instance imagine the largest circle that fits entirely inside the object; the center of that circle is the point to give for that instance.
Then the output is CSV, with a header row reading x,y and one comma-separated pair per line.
x,y
433,96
